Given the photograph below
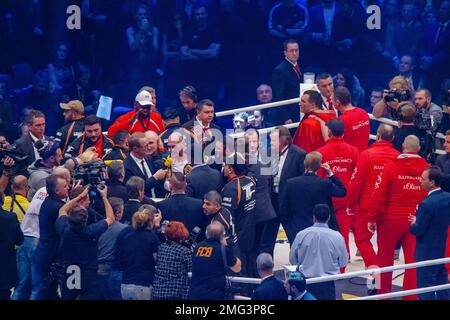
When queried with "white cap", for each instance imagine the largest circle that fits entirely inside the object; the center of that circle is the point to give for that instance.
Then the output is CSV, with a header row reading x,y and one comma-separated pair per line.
x,y
144,98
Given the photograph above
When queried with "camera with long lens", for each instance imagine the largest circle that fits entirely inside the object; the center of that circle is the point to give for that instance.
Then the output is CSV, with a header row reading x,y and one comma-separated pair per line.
x,y
91,174
191,242
397,95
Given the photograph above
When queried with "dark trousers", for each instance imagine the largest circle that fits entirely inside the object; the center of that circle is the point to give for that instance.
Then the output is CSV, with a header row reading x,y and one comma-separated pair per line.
x,y
323,290
433,276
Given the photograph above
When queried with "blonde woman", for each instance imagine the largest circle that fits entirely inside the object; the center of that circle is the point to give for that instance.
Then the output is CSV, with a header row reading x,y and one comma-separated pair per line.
x,y
389,107
136,250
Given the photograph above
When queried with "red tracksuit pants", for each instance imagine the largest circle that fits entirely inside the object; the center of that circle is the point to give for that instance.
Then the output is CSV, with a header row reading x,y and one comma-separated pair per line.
x,y
390,233
362,239
345,223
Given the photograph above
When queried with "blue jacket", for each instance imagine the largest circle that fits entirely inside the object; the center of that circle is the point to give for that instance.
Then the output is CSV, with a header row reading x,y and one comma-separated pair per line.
x,y
431,227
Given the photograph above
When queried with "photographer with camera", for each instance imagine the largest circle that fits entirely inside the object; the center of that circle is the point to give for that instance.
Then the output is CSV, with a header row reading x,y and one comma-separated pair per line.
x,y
17,202
6,171
92,137
173,264
399,91
51,157
211,261
79,244
141,119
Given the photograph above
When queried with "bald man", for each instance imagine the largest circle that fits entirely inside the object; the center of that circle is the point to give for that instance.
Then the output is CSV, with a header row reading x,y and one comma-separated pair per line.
x,y
18,202
177,147
370,164
396,196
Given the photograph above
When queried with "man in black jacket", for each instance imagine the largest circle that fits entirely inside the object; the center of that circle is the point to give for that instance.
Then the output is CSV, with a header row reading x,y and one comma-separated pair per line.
x,y
238,196
171,121
286,79
92,137
136,198
430,226
201,180
270,288
304,192
116,186
140,165
180,207
289,164
10,236
120,146
35,121
74,115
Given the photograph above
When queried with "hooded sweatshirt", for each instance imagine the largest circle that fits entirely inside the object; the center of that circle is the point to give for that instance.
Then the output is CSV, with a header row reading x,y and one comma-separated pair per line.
x,y
397,190
38,173
309,134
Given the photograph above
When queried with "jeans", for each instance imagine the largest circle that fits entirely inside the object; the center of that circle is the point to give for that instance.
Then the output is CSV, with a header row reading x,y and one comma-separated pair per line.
x,y
134,292
110,282
24,256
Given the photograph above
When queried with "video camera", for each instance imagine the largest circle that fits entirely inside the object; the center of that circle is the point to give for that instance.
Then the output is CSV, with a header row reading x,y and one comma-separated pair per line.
x,y
397,95
91,174
7,150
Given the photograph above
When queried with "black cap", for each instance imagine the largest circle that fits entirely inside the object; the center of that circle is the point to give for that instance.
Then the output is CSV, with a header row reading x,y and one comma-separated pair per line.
x,y
170,114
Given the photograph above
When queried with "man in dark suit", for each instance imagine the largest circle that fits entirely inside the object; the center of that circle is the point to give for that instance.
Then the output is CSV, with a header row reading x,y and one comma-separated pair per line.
x,y
116,185
138,164
10,236
302,193
35,121
201,180
430,226
286,79
136,198
180,207
288,164
270,288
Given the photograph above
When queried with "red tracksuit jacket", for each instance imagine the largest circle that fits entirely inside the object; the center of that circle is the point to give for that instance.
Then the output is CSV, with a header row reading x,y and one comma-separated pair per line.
x,y
357,128
371,163
397,190
309,134
153,123
342,159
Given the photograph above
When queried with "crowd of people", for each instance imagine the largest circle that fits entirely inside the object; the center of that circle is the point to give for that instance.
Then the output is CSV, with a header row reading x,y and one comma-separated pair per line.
x,y
125,209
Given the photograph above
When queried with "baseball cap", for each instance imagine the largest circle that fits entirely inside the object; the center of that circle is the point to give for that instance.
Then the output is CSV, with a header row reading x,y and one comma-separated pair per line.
x,y
76,105
144,98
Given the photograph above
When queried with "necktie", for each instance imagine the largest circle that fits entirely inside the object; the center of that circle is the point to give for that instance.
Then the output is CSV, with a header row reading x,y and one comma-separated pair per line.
x,y
297,70
144,170
330,104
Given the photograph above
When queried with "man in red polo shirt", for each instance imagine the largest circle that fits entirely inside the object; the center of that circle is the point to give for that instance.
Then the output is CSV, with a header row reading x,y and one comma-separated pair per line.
x,y
356,120
141,119
309,134
396,196
342,159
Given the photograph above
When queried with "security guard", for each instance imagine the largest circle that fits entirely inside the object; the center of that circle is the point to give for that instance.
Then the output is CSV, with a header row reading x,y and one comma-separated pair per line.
x,y
171,121
210,263
238,196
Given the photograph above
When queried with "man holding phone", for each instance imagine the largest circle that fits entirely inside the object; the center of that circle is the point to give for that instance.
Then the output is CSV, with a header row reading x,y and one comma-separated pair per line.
x,y
141,119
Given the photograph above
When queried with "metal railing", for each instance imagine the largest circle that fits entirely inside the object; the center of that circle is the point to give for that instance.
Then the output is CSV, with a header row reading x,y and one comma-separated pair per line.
x,y
368,272
296,124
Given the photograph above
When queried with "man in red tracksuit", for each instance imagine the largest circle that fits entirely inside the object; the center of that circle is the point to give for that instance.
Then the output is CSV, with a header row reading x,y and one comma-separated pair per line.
x,y
342,159
362,183
397,194
141,119
309,135
356,120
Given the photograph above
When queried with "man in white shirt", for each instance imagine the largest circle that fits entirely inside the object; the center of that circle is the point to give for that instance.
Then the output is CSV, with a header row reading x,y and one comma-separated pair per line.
x,y
30,229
